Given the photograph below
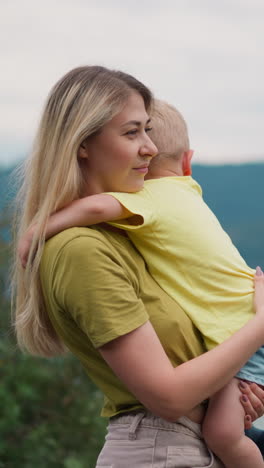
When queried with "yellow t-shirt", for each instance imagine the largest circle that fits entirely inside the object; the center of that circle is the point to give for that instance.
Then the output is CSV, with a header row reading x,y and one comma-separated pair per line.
x,y
96,288
190,255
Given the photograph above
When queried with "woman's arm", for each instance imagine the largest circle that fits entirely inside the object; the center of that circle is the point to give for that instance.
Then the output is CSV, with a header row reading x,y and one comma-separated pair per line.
x,y
86,211
173,392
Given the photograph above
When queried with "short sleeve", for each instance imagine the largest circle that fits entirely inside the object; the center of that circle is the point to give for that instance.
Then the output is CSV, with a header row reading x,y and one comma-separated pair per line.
x,y
141,205
92,284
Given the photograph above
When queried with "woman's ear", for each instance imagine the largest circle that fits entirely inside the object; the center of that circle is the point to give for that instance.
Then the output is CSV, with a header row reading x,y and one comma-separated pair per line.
x,y
83,151
187,163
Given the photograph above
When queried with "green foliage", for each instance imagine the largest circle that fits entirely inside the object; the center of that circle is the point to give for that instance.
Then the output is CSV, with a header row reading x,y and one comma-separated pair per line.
x,y
50,414
49,410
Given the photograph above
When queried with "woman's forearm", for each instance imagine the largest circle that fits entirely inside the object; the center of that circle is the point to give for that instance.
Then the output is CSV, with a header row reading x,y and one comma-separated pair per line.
x,y
209,372
172,392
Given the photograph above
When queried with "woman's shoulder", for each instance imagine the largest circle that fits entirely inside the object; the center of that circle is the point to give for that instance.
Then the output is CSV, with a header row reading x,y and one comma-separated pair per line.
x,y
71,243
76,245
73,237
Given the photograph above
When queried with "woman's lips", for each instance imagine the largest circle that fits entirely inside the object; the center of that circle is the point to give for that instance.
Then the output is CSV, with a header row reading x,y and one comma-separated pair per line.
x,y
142,170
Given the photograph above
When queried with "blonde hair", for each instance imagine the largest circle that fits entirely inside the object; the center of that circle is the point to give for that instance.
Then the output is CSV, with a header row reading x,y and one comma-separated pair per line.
x,y
169,131
78,106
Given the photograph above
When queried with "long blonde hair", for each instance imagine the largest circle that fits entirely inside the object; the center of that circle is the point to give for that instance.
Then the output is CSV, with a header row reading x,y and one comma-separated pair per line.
x,y
78,106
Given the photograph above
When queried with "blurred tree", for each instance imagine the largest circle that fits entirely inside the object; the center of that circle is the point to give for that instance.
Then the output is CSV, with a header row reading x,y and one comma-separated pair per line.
x,y
49,411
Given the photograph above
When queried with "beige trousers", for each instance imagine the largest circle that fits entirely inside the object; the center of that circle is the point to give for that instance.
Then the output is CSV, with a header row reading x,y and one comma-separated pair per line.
x,y
142,440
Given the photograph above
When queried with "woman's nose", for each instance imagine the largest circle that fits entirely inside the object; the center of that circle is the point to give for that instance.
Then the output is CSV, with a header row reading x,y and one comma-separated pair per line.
x,y
148,148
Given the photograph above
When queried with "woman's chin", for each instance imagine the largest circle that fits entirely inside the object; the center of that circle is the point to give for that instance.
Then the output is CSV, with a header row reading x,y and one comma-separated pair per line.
x,y
135,188
127,186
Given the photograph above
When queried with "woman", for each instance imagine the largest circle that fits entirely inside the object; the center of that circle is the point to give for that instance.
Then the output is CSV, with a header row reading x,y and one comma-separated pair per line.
x,y
89,290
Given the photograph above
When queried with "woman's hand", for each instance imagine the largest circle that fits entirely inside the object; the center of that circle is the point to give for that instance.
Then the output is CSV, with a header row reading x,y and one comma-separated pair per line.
x,y
24,246
252,399
259,291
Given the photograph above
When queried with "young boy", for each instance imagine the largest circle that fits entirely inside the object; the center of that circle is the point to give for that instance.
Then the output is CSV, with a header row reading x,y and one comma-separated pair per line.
x,y
192,258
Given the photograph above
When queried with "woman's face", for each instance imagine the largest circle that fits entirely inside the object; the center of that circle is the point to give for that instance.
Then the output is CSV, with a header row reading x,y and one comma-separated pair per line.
x,y
117,158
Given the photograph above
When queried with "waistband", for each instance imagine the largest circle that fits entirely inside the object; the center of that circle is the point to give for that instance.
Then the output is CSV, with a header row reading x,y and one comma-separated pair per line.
x,y
148,419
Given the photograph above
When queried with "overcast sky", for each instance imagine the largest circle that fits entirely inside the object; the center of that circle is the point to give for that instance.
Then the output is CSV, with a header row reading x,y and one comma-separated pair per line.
x,y
204,56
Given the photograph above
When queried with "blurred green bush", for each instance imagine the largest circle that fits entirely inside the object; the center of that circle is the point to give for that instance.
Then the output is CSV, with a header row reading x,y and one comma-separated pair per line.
x,y
49,409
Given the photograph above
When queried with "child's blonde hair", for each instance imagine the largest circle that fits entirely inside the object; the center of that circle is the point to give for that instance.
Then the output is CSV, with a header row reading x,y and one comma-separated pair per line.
x,y
79,105
169,131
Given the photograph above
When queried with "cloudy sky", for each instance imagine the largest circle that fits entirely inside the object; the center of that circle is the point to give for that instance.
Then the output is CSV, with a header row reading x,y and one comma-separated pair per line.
x,y
204,56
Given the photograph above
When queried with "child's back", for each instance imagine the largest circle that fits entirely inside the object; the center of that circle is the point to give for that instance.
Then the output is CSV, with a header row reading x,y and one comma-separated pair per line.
x,y
190,255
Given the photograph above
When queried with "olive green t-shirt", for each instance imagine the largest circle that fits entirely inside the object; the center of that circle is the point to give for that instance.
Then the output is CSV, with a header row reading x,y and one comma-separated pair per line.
x,y
97,288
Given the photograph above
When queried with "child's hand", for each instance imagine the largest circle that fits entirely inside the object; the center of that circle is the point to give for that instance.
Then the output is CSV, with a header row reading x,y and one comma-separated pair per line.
x,y
259,291
24,246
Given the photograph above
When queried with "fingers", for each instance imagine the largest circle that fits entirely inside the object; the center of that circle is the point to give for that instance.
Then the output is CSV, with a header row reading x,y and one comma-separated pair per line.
x,y
23,251
22,258
247,421
259,291
259,272
257,398
252,399
248,408
259,276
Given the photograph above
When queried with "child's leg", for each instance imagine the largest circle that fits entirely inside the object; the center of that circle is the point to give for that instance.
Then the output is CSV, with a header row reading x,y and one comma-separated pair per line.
x,y
223,430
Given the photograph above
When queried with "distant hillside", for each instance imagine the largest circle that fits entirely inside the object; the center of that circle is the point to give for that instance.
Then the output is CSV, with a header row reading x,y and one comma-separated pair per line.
x,y
234,193
7,186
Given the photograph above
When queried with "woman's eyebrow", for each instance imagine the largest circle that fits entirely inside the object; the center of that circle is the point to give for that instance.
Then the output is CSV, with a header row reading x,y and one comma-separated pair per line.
x,y
135,122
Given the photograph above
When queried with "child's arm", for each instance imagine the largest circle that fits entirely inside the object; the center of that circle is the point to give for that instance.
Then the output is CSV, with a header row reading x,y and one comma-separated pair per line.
x,y
83,212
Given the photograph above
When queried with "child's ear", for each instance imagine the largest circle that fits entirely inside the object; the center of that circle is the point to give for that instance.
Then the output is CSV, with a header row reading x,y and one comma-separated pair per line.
x,y
187,162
